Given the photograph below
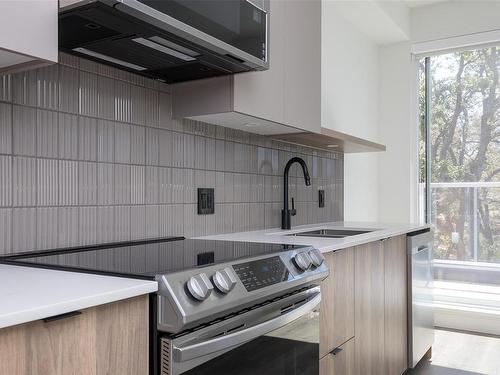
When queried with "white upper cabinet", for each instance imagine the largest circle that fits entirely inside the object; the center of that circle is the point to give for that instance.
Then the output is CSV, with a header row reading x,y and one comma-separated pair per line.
x,y
261,94
286,98
302,64
28,33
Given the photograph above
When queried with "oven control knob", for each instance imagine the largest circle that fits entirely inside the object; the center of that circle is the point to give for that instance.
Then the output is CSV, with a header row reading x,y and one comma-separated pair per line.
x,y
224,280
302,261
200,287
317,258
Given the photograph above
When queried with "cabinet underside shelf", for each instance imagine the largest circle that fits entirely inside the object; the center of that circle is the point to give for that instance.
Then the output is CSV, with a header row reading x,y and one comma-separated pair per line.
x,y
331,140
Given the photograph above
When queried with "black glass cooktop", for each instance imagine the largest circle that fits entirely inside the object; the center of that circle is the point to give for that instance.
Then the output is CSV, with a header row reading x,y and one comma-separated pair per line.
x,y
144,259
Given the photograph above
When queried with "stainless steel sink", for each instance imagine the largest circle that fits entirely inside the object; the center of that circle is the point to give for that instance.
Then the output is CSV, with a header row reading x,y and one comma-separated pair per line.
x,y
332,233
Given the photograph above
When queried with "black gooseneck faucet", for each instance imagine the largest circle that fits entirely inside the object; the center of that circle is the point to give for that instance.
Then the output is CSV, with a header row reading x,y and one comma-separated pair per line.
x,y
286,214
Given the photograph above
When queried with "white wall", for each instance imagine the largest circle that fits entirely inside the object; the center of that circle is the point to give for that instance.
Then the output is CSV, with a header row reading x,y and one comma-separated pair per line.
x,y
398,121
350,87
397,170
448,19
369,90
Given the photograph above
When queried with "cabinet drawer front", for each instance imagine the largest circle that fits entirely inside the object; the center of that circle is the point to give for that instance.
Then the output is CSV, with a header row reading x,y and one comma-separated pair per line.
x,y
337,301
341,361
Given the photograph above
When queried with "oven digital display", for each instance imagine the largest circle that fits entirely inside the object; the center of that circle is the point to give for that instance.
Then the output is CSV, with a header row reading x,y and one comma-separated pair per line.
x,y
261,273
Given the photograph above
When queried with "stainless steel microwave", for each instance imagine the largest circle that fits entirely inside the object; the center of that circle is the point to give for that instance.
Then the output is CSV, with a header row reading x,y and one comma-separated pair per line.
x,y
170,40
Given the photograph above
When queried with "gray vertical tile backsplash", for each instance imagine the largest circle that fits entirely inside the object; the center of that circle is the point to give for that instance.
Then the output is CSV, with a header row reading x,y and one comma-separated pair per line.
x,y
47,182
91,154
24,181
24,130
88,98
5,230
68,136
122,142
47,134
46,227
105,184
87,138
106,98
48,87
68,183
68,89
67,218
122,101
24,88
5,88
5,181
23,229
87,195
5,128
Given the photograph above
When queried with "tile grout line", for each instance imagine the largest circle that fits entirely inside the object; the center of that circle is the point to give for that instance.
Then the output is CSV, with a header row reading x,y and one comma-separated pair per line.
x,y
312,150
11,216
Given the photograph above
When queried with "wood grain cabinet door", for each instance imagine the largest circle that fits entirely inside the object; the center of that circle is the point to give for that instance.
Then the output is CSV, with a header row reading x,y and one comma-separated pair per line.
x,y
337,301
395,305
111,339
122,337
65,346
340,362
60,347
369,309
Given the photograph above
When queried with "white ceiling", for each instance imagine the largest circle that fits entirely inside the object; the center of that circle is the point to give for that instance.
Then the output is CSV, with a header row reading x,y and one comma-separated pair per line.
x,y
421,3
381,21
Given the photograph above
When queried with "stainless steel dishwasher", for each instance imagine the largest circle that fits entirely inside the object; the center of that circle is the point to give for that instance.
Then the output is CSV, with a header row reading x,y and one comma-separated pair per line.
x,y
420,295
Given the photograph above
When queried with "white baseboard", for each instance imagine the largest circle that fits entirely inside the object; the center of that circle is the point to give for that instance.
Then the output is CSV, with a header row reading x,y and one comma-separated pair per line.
x,y
467,318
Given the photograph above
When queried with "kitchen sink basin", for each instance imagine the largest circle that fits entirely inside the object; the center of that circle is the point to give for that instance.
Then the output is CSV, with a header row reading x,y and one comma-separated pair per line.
x,y
332,233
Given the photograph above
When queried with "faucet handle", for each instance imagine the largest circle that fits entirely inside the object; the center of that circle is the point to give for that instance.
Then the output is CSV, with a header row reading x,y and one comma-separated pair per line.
x,y
293,211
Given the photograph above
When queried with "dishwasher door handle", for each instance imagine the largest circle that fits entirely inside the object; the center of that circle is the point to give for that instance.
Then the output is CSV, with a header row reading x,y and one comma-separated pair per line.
x,y
419,249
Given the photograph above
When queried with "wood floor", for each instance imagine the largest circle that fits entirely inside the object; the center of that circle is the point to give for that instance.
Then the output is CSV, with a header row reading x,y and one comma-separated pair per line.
x,y
462,353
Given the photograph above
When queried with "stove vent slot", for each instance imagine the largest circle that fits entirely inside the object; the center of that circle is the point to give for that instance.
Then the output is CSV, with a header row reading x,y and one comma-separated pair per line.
x,y
237,328
166,357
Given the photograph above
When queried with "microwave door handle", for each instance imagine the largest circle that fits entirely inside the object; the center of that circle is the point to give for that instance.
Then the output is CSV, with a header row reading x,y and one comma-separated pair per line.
x,y
182,354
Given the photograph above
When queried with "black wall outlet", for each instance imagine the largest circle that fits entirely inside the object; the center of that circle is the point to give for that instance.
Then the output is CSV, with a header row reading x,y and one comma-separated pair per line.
x,y
321,198
206,201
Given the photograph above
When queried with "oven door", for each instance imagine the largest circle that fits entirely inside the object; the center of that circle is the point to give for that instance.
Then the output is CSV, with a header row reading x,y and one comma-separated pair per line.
x,y
278,342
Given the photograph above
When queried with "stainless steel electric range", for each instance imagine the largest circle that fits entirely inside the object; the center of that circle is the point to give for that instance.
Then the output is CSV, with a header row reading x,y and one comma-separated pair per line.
x,y
222,307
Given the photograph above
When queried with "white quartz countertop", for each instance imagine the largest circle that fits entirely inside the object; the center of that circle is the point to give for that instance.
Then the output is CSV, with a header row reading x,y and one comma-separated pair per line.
x,y
379,231
28,294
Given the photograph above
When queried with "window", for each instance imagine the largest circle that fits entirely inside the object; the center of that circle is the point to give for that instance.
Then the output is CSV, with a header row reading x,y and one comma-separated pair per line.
x,y
464,152
459,104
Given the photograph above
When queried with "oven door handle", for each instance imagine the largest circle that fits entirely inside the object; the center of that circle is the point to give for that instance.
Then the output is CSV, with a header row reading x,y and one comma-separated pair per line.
x,y
182,354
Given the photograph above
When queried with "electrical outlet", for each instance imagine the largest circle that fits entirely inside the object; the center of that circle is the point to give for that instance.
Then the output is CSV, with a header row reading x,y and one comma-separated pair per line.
x,y
321,198
206,201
